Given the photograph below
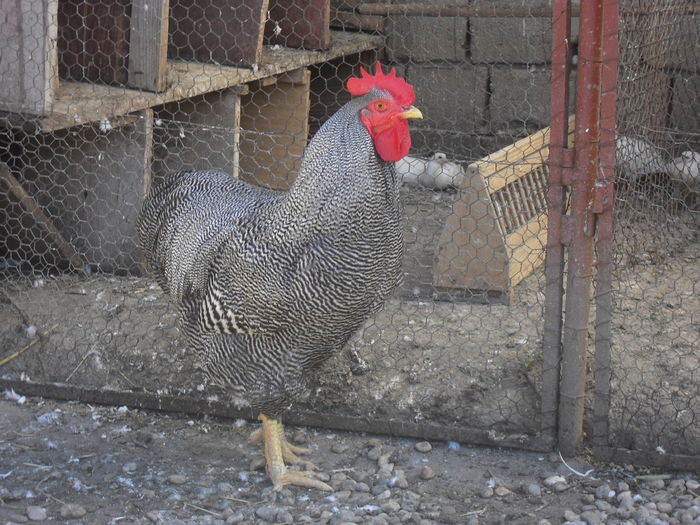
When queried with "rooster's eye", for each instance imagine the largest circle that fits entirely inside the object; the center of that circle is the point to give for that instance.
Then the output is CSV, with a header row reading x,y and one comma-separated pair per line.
x,y
380,106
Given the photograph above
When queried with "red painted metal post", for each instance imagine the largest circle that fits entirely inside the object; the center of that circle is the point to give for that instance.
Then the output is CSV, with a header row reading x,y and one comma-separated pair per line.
x,y
581,226
554,262
604,203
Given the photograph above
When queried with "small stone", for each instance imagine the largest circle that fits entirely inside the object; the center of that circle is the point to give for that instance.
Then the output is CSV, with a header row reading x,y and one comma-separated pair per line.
x,y
544,522
662,506
533,489
391,506
603,505
177,479
284,516
299,437
588,499
384,495
560,487
129,467
486,492
374,453
361,487
72,511
339,448
604,492
570,515
553,480
374,443
502,491
622,486
267,512
235,518
691,484
426,472
35,513
423,446
657,484
384,459
591,517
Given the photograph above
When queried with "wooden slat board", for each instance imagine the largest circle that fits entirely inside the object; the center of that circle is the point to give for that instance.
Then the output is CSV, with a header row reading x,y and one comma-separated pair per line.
x,y
93,40
34,218
299,23
148,44
471,251
217,31
79,103
28,65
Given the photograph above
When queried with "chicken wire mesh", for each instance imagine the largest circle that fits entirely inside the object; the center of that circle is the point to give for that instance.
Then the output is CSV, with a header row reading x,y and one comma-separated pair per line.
x,y
648,395
103,99
241,88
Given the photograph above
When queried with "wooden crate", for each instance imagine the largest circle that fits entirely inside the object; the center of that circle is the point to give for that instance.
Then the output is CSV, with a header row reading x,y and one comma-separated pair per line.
x,y
115,42
497,232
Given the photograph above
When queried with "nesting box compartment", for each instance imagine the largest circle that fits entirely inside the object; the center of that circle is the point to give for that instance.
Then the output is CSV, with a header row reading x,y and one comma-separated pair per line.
x,y
497,232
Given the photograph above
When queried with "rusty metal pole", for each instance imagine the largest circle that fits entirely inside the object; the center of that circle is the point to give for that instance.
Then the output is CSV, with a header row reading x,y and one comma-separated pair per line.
x,y
604,205
579,227
554,261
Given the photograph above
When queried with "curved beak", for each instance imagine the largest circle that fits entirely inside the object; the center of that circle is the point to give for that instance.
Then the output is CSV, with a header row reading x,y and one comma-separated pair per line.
x,y
412,112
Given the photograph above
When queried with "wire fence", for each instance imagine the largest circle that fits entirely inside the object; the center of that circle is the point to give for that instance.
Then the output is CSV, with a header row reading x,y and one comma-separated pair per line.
x,y
102,100
650,401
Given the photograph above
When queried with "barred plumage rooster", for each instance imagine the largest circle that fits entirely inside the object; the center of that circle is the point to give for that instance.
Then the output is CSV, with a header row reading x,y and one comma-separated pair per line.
x,y
271,284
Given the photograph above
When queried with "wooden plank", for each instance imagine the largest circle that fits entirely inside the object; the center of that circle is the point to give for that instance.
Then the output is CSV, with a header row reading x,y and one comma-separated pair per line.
x,y
28,71
79,103
299,23
38,217
93,40
217,31
499,174
148,48
274,131
349,20
471,252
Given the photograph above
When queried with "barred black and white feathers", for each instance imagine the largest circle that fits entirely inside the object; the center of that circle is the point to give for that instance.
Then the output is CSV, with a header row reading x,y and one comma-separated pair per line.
x,y
270,284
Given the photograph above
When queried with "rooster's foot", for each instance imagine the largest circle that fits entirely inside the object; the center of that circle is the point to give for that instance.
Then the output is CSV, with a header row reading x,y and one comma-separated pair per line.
x,y
278,450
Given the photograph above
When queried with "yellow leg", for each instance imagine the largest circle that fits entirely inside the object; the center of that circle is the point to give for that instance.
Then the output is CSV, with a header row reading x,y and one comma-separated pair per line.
x,y
277,450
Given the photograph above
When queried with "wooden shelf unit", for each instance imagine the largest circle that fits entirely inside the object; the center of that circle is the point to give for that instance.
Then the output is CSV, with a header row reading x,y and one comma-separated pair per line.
x,y
110,142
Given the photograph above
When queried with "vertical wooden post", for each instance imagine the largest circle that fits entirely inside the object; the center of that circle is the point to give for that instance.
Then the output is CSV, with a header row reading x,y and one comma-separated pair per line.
x,y
29,64
148,46
581,227
554,257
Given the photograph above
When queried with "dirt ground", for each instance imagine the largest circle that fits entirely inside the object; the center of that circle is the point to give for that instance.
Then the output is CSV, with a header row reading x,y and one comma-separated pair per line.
x,y
451,364
90,464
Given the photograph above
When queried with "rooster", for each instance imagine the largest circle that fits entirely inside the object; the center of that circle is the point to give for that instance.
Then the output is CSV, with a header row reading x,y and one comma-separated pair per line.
x,y
271,284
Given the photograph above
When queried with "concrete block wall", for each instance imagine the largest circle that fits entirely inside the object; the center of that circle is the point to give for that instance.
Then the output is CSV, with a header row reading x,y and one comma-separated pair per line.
x,y
480,82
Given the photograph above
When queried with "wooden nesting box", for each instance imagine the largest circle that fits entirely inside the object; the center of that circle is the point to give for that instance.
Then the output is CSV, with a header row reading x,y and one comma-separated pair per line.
x,y
497,232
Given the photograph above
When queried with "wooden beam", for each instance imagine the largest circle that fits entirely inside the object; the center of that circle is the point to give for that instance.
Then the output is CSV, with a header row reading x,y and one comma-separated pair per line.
x,y
29,205
149,44
350,20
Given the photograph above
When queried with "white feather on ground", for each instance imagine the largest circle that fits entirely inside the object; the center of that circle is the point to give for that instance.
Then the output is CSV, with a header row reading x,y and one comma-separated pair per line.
x,y
436,173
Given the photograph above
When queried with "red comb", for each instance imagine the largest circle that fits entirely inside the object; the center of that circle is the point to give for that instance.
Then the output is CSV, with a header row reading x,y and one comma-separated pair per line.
x,y
401,90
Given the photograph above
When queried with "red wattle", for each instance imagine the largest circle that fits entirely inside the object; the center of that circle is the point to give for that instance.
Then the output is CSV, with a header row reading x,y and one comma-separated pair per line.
x,y
393,144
